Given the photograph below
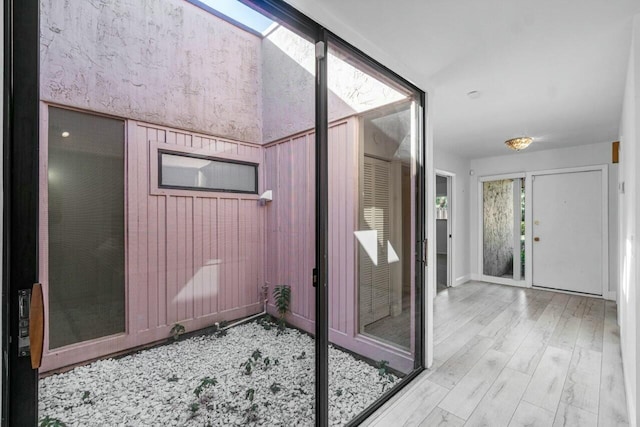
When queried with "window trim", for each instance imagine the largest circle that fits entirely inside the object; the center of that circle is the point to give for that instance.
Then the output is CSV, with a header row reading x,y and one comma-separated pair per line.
x,y
160,185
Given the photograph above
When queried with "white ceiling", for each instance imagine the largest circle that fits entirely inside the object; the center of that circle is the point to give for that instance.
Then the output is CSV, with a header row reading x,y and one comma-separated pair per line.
x,y
550,69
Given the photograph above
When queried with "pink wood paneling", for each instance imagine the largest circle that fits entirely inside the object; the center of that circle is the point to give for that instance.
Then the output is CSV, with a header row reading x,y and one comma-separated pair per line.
x,y
290,241
192,257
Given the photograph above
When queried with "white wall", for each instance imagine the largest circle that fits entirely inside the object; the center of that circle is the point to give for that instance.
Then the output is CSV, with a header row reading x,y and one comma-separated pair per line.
x,y
450,162
585,155
628,301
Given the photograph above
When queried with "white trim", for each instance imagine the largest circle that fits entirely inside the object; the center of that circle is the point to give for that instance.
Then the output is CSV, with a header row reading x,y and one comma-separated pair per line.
x,y
451,227
430,201
604,177
514,175
611,296
462,280
562,291
503,281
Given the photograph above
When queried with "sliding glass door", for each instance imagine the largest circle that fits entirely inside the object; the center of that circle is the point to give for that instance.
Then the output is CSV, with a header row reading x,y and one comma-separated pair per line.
x,y
374,280
222,211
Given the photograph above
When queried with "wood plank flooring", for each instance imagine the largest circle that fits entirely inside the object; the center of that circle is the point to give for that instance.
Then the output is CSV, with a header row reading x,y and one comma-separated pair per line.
x,y
507,356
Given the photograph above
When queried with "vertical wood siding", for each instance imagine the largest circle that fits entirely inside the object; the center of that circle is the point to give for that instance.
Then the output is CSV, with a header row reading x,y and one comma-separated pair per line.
x,y
193,257
196,258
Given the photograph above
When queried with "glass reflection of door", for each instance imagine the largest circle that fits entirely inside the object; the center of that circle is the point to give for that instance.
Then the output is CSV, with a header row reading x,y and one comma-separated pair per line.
x,y
503,255
374,145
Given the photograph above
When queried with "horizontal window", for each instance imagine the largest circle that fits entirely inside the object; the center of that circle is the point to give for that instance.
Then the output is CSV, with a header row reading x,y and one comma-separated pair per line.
x,y
206,174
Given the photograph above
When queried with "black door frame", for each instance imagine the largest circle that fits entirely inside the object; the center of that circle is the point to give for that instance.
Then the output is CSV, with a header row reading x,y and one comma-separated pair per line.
x,y
20,211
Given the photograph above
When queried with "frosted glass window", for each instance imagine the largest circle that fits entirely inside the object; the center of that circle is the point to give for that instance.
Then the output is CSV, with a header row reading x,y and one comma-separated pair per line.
x,y
200,173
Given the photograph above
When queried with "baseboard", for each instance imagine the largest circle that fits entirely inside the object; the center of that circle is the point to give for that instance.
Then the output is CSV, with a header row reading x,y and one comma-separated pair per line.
x,y
610,296
462,280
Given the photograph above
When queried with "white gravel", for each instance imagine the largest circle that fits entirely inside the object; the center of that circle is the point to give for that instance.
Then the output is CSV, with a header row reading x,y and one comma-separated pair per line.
x,y
156,386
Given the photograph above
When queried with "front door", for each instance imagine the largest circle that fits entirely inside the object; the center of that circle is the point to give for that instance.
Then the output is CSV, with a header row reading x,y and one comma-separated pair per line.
x,y
568,231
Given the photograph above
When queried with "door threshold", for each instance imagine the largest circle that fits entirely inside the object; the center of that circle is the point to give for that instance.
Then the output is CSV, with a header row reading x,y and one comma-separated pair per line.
x,y
564,291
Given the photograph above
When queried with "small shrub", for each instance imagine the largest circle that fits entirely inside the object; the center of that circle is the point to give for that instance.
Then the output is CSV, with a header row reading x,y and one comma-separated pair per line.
x,y
51,422
282,299
204,384
86,399
176,331
275,387
339,392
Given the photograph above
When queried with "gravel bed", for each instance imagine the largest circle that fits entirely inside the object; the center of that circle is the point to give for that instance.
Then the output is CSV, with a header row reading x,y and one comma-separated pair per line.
x,y
158,386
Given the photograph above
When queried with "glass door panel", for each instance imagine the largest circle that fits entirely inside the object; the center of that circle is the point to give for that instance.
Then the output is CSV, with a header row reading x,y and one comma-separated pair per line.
x,y
373,161
177,215
503,228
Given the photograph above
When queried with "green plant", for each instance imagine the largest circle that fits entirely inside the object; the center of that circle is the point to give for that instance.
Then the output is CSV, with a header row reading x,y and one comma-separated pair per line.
x,y
205,383
85,398
173,378
303,355
383,371
339,392
221,329
194,408
51,422
275,387
249,395
248,366
282,299
177,330
257,354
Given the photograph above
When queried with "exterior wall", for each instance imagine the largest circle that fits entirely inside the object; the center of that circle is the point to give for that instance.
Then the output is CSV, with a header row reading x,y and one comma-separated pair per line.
x,y
290,221
193,257
586,155
628,298
290,227
165,62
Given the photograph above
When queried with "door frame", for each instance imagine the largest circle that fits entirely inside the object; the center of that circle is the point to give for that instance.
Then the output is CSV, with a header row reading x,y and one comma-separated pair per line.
x,y
604,170
451,226
491,279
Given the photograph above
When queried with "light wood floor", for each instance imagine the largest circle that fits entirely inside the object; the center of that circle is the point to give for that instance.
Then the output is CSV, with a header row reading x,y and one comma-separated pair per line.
x,y
507,356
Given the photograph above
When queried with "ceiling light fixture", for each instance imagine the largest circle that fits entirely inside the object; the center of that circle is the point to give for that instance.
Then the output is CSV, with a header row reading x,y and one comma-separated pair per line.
x,y
65,134
519,143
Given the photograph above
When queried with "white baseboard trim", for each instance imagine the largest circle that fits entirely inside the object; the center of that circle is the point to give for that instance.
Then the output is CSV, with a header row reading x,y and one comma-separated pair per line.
x,y
462,280
610,296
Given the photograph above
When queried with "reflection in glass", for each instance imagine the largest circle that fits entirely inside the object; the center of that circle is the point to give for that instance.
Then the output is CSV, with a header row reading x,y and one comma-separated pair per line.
x,y
86,227
372,290
202,173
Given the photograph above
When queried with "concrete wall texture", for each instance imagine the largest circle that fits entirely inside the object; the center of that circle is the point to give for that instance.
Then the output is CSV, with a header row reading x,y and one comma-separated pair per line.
x,y
165,62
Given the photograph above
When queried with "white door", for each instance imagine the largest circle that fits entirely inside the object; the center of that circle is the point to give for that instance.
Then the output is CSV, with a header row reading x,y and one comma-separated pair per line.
x,y
568,231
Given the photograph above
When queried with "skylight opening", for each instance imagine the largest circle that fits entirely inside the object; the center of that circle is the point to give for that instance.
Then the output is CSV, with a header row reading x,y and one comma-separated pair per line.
x,y
238,13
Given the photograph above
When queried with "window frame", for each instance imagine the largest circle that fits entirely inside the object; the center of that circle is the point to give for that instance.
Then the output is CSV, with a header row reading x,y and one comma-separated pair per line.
x,y
160,186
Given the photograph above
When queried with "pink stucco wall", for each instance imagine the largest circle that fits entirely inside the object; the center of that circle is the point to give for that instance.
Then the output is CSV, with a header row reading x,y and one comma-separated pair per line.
x,y
165,62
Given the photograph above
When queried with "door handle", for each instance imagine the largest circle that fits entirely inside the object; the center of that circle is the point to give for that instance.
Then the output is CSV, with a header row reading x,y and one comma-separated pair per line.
x,y
536,239
31,324
36,325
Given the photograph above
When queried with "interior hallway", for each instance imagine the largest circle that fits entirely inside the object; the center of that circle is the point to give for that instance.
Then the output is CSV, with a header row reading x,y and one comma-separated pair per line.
x,y
508,356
